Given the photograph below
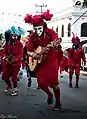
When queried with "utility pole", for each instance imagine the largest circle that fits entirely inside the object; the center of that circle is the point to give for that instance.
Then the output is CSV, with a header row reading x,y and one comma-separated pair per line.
x,y
41,8
79,17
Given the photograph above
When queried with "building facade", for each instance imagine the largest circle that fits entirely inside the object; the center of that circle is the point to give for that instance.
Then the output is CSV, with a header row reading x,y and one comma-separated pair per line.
x,y
70,20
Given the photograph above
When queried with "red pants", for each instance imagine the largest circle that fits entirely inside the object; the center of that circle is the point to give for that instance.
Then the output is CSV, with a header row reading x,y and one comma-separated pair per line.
x,y
10,71
76,68
64,64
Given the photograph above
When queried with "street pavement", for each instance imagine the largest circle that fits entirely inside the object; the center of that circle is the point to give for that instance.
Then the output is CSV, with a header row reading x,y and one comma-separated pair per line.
x,y
31,103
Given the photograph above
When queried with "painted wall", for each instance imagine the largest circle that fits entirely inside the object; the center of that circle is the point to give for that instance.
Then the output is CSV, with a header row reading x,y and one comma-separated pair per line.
x,y
69,15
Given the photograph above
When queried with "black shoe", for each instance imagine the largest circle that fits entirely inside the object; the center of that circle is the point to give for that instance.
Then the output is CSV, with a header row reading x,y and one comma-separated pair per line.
x,y
70,85
57,107
29,84
50,101
61,76
29,79
14,92
38,88
20,74
76,86
18,79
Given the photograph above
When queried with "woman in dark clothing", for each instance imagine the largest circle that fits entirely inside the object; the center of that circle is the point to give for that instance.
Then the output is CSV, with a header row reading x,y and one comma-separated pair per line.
x,y
29,73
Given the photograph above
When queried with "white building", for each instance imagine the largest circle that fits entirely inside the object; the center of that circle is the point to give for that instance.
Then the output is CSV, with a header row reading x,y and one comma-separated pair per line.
x,y
71,19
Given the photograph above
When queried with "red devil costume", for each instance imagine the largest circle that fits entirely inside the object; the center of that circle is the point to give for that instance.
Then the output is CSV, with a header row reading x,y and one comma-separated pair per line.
x,y
64,63
59,53
13,52
76,53
1,58
47,72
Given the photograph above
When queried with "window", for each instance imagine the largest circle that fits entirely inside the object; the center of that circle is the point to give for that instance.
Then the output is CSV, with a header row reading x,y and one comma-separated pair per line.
x,y
84,30
62,34
85,49
69,30
78,3
57,29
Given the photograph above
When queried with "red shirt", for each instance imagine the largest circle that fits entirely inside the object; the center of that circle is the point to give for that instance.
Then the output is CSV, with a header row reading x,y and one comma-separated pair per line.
x,y
75,57
17,51
48,70
64,63
59,55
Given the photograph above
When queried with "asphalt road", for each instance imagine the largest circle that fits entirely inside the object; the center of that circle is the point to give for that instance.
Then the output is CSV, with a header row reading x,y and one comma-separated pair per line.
x,y
31,103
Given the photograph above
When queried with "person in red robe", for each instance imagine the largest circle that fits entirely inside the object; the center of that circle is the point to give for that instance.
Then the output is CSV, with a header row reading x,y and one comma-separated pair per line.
x,y
47,71
59,53
1,56
13,52
64,63
7,35
76,53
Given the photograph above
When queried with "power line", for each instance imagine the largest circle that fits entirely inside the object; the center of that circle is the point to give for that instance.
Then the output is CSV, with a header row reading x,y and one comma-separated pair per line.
x,y
79,18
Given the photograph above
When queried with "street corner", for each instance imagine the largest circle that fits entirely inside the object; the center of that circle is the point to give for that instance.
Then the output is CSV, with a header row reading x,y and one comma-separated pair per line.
x,y
84,73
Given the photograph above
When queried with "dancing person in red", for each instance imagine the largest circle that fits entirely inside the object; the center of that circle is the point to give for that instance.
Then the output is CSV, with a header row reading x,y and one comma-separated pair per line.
x,y
13,52
47,71
76,53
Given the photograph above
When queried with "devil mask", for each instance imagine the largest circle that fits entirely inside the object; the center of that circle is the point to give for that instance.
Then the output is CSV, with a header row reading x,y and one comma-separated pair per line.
x,y
38,30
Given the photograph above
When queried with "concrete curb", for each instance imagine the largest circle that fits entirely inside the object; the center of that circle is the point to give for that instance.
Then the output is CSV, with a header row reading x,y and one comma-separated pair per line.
x,y
83,73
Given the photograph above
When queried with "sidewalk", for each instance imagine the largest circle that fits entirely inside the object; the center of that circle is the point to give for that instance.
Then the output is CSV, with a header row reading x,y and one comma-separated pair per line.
x,y
83,73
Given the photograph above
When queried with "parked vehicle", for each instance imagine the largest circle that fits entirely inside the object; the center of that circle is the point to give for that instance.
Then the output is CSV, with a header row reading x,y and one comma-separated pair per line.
x,y
84,66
